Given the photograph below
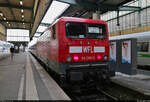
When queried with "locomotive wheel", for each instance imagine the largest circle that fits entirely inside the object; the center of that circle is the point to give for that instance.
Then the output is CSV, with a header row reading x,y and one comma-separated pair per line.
x,y
106,77
99,80
89,81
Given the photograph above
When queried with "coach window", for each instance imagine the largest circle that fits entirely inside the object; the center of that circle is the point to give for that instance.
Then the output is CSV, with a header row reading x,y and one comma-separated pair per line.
x,y
54,32
75,30
142,46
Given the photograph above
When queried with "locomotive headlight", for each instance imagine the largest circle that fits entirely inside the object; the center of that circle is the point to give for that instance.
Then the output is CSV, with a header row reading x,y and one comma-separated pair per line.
x,y
69,58
105,57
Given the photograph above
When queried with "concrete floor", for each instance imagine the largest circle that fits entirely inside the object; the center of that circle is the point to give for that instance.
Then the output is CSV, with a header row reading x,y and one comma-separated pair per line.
x,y
145,72
139,82
24,79
10,76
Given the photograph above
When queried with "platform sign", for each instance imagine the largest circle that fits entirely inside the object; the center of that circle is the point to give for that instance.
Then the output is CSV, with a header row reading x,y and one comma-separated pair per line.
x,y
112,51
126,51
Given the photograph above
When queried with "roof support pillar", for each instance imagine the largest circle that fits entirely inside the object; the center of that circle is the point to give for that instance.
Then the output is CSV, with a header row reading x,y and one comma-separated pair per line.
x,y
118,23
129,8
140,5
2,32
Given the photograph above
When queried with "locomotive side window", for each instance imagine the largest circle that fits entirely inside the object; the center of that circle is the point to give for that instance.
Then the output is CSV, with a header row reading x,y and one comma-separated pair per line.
x,y
96,31
54,32
75,30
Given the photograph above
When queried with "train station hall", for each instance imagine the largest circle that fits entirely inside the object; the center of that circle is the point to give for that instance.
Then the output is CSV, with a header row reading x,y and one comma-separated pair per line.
x,y
75,50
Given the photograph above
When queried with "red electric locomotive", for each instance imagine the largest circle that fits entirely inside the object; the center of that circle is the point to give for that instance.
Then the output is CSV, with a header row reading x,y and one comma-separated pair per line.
x,y
72,47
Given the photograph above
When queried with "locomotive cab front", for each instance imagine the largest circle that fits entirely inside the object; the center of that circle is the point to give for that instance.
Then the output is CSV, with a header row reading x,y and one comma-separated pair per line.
x,y
84,48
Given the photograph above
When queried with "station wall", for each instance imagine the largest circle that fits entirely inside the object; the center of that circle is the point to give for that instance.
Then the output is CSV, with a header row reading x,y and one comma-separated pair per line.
x,y
2,33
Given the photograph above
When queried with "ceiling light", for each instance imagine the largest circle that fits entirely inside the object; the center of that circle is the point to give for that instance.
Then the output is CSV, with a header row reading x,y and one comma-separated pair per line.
x,y
22,23
21,3
1,14
41,28
54,11
4,18
6,22
22,16
22,10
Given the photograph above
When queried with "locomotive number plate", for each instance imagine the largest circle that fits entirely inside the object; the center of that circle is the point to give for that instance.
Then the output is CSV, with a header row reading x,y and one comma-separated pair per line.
x,y
88,58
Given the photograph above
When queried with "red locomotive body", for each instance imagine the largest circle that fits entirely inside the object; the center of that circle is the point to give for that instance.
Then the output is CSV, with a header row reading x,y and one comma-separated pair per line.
x,y
74,46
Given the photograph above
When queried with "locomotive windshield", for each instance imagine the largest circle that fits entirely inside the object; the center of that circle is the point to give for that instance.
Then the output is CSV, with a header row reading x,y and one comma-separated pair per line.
x,y
76,30
83,30
96,31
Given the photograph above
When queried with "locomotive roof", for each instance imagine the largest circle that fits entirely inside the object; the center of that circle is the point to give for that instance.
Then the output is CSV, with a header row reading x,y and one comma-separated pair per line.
x,y
73,19
82,20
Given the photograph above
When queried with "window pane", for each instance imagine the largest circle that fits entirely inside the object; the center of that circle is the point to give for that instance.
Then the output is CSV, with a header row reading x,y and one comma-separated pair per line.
x,y
76,30
96,31
142,46
17,35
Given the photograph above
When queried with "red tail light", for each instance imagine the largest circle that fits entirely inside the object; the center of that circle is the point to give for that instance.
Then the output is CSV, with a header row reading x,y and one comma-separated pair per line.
x,y
99,57
76,58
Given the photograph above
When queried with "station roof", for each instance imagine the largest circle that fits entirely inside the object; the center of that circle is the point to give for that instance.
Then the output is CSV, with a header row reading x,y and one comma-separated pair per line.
x,y
16,13
27,14
84,8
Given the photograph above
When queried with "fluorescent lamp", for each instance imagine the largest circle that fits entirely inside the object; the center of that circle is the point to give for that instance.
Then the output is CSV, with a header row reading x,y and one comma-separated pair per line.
x,y
37,34
21,3
4,18
1,14
6,22
55,10
22,16
21,10
41,29
31,43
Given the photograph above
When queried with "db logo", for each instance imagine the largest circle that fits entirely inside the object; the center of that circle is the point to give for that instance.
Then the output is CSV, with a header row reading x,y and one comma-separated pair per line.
x,y
87,49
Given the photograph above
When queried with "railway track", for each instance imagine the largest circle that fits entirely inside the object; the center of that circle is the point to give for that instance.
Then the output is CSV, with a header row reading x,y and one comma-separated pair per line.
x,y
97,95
113,92
109,96
82,93
110,92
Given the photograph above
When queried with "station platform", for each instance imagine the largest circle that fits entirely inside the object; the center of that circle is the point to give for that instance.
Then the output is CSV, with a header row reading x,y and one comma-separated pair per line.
x,y
4,55
139,82
23,78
